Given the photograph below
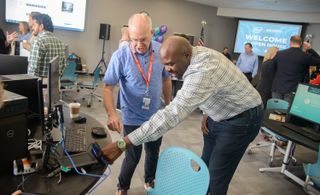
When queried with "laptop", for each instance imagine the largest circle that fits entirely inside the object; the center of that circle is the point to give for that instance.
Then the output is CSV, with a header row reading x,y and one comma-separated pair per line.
x,y
304,112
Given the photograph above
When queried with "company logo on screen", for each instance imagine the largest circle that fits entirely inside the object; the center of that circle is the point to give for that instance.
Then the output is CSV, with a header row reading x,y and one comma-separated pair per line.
x,y
273,30
257,30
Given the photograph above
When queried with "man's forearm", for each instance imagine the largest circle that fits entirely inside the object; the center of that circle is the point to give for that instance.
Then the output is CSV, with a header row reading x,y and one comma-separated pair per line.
x,y
108,100
167,90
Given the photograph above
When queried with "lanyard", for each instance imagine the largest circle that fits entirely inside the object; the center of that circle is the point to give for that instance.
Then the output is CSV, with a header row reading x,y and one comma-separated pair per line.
x,y
141,70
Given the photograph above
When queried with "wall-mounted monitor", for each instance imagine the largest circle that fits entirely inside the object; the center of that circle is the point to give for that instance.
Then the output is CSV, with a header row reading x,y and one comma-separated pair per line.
x,y
65,14
263,35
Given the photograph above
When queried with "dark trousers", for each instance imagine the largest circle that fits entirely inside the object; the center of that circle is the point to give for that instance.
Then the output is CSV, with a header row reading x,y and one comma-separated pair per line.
x,y
225,145
132,157
249,76
265,96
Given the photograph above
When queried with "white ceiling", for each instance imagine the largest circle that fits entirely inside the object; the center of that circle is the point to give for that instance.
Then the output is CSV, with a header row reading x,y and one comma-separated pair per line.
x,y
305,6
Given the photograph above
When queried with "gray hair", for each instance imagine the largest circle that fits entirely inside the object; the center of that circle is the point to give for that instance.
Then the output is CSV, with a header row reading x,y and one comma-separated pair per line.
x,y
144,15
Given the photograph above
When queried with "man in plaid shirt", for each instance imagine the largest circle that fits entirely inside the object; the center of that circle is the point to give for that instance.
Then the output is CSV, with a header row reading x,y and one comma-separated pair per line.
x,y
45,47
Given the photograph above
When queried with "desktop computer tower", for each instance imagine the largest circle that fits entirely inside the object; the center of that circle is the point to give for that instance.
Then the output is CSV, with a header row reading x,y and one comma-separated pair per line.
x,y
13,130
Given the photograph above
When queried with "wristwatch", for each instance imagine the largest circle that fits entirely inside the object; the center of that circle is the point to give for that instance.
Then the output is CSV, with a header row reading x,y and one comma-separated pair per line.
x,y
121,144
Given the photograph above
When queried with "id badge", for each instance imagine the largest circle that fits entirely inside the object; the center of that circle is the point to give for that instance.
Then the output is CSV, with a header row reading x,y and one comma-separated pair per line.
x,y
146,103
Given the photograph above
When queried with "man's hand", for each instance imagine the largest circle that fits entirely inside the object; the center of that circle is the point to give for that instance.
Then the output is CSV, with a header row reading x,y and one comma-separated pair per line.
x,y
204,127
18,192
114,123
12,37
26,45
111,152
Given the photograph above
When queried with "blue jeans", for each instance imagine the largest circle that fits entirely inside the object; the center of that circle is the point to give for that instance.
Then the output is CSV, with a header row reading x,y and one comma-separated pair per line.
x,y
132,158
225,145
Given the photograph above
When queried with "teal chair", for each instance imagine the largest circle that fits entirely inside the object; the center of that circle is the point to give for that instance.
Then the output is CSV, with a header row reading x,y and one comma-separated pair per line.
x,y
312,172
272,104
277,104
68,79
90,88
176,174
69,72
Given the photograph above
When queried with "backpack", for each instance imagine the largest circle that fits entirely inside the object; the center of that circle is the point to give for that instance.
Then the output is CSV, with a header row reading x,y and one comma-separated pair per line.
x,y
74,57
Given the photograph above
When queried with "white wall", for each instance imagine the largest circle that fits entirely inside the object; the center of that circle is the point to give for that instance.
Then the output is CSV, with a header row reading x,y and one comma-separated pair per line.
x,y
179,16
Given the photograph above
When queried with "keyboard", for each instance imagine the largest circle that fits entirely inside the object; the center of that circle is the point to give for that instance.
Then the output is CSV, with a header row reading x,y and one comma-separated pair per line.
x,y
75,140
305,131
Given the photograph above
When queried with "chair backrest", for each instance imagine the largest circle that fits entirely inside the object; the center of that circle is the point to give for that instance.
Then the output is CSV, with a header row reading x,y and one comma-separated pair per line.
x,y
69,71
96,77
176,175
277,104
313,171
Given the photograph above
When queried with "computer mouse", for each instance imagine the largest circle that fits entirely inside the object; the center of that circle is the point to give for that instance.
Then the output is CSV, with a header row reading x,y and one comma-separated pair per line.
x,y
98,132
80,120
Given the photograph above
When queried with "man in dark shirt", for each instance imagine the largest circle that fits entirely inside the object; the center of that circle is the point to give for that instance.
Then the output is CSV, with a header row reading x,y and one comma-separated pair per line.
x,y
5,41
226,53
289,67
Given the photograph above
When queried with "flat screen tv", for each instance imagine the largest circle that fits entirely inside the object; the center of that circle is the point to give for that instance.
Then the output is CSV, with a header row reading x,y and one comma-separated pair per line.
x,y
65,14
263,35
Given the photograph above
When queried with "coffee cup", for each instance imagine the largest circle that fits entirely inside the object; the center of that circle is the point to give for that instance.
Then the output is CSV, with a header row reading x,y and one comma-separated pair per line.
x,y
74,109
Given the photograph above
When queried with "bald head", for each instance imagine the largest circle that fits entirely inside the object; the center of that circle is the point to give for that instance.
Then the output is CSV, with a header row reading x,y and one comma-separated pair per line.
x,y
175,53
175,45
140,20
140,32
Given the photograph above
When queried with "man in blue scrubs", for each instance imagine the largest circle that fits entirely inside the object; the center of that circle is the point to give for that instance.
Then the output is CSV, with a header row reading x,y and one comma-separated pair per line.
x,y
137,68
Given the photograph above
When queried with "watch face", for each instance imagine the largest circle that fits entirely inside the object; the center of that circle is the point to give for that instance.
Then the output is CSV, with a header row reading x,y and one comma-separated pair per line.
x,y
122,144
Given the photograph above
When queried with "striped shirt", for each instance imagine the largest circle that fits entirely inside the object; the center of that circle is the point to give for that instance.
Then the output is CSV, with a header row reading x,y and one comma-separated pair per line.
x,y
211,82
45,47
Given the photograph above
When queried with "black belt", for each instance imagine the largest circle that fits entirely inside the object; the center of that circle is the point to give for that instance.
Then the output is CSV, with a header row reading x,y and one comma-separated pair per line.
x,y
242,114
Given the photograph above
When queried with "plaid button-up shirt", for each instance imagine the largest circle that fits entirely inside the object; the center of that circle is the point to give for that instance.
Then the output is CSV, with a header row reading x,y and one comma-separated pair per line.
x,y
45,47
211,82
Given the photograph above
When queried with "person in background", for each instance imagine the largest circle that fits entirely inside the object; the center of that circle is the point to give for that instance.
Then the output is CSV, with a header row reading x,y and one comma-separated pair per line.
x,y
124,35
306,47
265,82
248,62
289,67
6,40
143,79
24,31
233,109
28,44
226,53
45,47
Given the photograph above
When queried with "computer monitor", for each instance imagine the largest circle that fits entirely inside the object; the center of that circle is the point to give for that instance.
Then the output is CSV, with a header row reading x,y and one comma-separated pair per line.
x,y
53,82
13,64
306,105
30,87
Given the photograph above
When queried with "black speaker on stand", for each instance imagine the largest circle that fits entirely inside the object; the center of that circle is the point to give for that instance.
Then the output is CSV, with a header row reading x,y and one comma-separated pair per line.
x,y
104,34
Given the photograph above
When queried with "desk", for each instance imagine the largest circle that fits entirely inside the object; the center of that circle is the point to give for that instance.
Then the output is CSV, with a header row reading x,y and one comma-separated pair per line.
x,y
71,183
293,139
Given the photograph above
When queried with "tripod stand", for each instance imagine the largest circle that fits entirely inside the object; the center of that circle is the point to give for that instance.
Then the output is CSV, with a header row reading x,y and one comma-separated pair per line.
x,y
102,61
